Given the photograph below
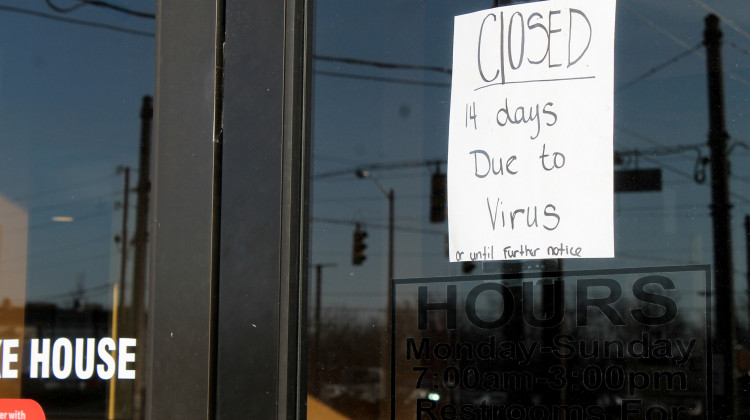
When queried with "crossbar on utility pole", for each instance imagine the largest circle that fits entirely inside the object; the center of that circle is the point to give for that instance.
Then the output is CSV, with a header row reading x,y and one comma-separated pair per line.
x,y
725,402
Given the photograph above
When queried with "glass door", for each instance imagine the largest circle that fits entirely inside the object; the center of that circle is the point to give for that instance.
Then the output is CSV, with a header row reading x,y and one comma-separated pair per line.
x,y
76,86
397,330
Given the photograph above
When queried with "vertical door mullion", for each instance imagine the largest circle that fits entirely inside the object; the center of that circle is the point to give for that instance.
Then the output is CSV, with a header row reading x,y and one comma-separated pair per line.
x,y
183,268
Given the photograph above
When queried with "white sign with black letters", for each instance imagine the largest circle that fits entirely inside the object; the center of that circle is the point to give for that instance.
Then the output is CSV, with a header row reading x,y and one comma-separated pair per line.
x,y
530,171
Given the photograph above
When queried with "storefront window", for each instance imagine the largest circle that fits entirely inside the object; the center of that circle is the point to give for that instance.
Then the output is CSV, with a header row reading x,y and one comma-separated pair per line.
x,y
76,80
646,334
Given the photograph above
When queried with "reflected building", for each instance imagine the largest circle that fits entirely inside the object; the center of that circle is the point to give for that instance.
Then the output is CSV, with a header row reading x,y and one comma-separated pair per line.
x,y
14,225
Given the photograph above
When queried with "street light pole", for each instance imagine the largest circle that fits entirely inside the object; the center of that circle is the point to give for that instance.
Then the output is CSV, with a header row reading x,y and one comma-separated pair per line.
x,y
386,348
391,196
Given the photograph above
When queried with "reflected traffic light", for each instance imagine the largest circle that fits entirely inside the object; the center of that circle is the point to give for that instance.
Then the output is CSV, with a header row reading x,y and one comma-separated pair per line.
x,y
359,246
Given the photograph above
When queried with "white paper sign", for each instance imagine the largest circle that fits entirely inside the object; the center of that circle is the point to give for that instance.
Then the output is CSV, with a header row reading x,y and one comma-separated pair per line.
x,y
530,143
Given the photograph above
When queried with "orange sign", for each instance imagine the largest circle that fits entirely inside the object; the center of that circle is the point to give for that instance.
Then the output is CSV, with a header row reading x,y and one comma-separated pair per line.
x,y
20,410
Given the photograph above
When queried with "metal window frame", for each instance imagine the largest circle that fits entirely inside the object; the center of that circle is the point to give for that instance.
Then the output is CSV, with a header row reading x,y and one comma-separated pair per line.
x,y
229,217
261,239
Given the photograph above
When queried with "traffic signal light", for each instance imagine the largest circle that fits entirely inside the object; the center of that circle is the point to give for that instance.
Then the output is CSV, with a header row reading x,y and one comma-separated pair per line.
x,y
638,180
359,246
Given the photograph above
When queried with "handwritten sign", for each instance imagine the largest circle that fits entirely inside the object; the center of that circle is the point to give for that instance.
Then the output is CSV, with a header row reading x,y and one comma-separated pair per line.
x,y
530,171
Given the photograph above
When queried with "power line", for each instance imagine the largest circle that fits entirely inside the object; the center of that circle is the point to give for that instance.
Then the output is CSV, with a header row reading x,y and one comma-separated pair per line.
x,y
662,260
80,244
382,79
700,162
738,48
685,208
99,3
369,198
663,150
66,204
131,12
72,261
680,42
65,188
654,258
669,167
335,159
87,23
72,293
659,146
660,29
658,68
376,225
68,262
49,222
377,166
445,70
723,18
736,77
64,9
739,142
743,179
383,64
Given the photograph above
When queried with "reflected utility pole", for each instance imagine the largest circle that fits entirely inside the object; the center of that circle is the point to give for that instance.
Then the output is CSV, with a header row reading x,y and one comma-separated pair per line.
x,y
316,343
123,238
120,325
725,403
139,263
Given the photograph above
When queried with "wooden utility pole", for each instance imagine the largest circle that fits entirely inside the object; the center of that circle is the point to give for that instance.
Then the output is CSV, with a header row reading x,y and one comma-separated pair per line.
x,y
123,239
139,263
725,401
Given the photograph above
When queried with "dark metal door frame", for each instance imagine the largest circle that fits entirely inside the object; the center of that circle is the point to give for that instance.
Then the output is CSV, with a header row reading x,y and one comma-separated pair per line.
x,y
229,216
259,296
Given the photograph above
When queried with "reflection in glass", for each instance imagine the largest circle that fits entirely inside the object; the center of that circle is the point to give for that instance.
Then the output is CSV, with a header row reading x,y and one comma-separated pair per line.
x,y
381,76
73,77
